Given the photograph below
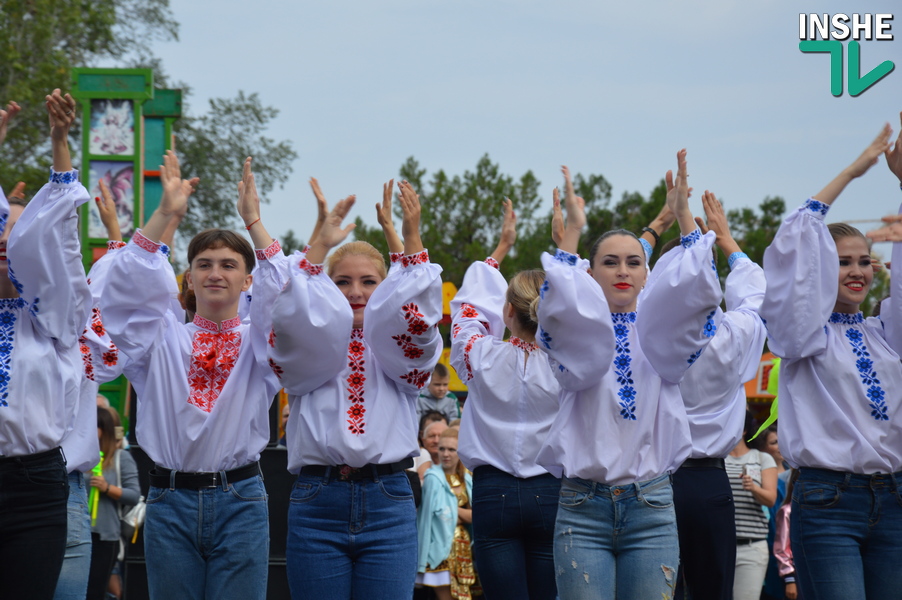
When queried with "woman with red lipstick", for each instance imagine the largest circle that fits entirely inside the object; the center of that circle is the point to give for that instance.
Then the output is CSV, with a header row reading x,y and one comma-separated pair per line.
x,y
353,346
840,383
622,427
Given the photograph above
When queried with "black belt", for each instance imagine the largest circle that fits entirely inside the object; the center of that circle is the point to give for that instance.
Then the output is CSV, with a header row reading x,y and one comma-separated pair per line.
x,y
349,473
704,463
34,458
747,541
162,477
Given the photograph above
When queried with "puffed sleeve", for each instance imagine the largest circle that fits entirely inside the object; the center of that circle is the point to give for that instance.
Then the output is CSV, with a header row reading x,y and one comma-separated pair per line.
x,y
401,319
102,360
575,327
891,308
679,312
44,257
311,325
271,274
801,267
476,313
137,298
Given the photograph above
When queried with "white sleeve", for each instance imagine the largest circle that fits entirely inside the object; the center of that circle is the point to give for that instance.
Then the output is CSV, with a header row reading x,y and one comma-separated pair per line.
x,y
679,312
476,313
744,292
575,327
102,360
137,297
802,269
44,259
891,308
311,325
271,275
401,321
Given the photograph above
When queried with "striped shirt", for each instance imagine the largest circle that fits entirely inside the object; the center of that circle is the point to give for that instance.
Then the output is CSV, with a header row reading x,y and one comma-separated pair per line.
x,y
751,522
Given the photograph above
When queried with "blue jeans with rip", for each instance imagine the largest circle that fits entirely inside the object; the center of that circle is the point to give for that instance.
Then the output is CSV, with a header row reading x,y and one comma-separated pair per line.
x,y
208,543
73,581
616,541
352,539
846,535
513,534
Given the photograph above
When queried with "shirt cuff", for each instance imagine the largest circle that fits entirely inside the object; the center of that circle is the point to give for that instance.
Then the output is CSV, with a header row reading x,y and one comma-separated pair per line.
x,y
492,262
420,258
268,252
63,178
310,268
395,257
818,209
115,244
736,256
566,257
689,240
648,249
146,243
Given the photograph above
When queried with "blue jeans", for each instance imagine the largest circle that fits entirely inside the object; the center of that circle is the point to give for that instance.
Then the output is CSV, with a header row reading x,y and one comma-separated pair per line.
x,y
73,582
846,535
352,539
616,541
208,543
513,534
34,492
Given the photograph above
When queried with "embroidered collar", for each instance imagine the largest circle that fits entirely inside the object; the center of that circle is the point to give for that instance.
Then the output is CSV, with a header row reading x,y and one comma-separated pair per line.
x,y
12,303
847,318
523,344
212,326
626,317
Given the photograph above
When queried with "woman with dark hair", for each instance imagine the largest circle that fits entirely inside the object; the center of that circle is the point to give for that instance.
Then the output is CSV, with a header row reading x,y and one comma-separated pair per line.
x,y
839,393
621,428
513,399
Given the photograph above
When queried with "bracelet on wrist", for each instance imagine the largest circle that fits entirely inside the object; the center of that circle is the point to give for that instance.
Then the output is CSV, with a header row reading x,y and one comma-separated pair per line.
x,y
248,227
653,233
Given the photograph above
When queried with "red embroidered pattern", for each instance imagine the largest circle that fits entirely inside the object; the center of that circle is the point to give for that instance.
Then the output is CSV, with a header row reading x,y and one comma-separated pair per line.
x,y
269,251
311,268
115,244
272,338
419,258
415,323
455,330
492,262
86,357
213,355
276,368
355,382
523,345
146,243
111,357
96,323
417,378
467,350
468,311
410,349
395,257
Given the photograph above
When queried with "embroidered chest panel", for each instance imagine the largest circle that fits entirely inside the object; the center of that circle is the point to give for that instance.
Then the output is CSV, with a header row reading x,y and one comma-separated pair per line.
x,y
213,356
355,382
8,316
623,364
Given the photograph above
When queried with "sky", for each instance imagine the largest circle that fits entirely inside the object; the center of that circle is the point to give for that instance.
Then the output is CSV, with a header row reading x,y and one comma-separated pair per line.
x,y
615,88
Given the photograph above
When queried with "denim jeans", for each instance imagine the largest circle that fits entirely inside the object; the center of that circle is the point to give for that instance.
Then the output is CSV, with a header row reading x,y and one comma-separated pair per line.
x,y
846,535
513,534
616,541
34,492
352,539
208,543
73,579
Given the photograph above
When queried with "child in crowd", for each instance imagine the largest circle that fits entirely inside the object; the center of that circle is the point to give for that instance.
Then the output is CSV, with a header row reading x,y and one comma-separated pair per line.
x,y
437,397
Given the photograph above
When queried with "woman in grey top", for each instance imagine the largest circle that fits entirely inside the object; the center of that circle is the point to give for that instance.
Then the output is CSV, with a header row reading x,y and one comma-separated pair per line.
x,y
115,490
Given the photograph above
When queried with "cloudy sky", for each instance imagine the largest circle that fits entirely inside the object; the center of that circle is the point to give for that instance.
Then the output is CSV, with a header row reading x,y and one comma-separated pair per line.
x,y
605,87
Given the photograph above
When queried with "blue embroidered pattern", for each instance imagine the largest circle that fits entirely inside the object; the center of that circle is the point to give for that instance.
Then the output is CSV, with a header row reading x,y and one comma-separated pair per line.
x,y
7,324
694,356
565,257
867,373
647,247
688,240
12,277
165,250
816,207
543,289
622,362
710,328
33,309
736,256
847,318
545,338
64,177
3,222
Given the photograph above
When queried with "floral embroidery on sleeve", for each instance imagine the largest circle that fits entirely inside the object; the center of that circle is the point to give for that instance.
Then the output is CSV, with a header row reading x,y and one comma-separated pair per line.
x,y
410,349
467,349
417,378
272,338
395,257
114,244
710,328
687,241
276,368
419,258
415,323
63,177
492,263
818,208
310,268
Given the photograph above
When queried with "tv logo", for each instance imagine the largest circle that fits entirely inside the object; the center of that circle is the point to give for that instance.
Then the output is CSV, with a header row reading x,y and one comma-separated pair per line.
x,y
870,27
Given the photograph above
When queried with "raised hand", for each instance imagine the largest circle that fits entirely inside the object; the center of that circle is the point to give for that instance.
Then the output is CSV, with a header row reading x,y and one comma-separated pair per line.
x,y
322,210
61,113
576,216
871,154
175,189
508,231
557,218
891,232
106,206
717,222
678,193
12,109
384,217
410,224
248,199
893,154
331,233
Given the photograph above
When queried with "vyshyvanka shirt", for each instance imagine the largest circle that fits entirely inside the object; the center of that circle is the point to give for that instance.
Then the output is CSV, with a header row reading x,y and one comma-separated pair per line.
x,y
513,394
713,388
40,363
622,418
840,382
204,390
353,392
